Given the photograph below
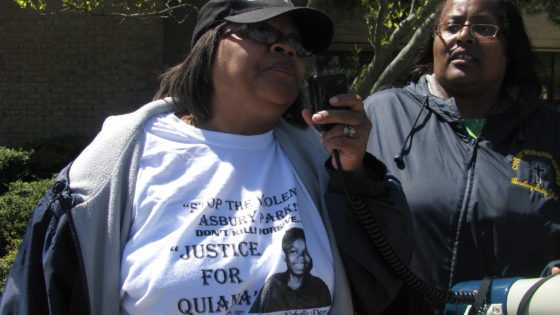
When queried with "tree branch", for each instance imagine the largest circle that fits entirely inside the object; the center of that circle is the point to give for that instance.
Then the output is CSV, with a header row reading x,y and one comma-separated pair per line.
x,y
113,8
397,66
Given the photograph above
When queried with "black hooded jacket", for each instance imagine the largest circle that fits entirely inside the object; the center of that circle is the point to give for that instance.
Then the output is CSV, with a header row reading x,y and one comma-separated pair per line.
x,y
482,207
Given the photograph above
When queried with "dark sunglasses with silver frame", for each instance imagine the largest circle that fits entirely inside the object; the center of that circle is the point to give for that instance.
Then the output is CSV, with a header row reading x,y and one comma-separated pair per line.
x,y
267,35
449,30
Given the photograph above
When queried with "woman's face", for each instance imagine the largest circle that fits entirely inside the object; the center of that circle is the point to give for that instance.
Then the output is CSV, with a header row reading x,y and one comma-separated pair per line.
x,y
467,64
262,79
298,259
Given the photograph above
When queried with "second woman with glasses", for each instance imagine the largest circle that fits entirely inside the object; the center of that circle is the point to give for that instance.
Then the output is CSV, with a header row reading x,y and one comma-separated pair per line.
x,y
476,151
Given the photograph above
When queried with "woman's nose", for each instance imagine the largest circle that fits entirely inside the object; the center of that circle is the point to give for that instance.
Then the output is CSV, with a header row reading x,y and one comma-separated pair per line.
x,y
465,34
284,46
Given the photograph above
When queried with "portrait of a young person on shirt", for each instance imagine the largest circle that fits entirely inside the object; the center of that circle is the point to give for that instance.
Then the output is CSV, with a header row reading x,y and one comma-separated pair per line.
x,y
296,287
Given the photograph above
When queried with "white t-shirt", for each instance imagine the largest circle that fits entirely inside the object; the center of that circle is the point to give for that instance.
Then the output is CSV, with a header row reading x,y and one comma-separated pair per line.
x,y
209,216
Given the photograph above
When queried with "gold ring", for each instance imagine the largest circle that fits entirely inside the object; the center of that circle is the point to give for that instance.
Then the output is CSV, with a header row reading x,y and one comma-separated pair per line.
x,y
349,131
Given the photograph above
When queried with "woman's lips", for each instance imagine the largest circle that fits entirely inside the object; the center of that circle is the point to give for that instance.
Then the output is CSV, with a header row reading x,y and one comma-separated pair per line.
x,y
285,67
462,58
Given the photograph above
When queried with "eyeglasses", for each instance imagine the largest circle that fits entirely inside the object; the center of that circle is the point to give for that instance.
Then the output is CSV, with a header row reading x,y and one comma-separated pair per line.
x,y
449,30
265,34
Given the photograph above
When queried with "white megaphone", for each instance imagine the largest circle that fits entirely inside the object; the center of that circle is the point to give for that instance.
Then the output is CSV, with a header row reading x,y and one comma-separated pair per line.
x,y
513,296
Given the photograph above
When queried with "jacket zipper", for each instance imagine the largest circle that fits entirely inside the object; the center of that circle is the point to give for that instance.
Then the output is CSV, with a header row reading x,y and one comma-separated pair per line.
x,y
470,163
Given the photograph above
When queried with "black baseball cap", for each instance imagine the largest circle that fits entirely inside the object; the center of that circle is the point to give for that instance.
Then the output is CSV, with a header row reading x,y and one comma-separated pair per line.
x,y
315,27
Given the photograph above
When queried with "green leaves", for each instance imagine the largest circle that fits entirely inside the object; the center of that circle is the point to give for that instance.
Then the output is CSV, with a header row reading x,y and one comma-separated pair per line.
x,y
392,27
551,7
14,165
124,8
17,204
33,4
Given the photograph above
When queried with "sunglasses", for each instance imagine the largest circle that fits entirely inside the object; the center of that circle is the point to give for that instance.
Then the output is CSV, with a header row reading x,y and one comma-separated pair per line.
x,y
266,34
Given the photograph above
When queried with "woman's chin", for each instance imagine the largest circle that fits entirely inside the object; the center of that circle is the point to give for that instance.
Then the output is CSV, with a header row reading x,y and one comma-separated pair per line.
x,y
459,78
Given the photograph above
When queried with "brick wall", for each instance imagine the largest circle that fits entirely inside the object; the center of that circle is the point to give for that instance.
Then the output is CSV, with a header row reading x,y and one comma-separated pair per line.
x,y
65,73
544,35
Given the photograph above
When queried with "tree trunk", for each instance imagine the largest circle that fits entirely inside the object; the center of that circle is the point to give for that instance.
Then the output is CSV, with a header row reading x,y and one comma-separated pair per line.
x,y
402,60
384,69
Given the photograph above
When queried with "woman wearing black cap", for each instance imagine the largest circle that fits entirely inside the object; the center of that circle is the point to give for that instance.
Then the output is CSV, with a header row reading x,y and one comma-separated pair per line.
x,y
181,206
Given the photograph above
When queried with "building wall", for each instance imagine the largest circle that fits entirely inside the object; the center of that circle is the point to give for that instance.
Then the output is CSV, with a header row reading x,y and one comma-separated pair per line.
x,y
65,73
544,35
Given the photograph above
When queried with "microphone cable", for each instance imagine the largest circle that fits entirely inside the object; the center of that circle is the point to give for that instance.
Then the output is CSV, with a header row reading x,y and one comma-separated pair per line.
x,y
382,245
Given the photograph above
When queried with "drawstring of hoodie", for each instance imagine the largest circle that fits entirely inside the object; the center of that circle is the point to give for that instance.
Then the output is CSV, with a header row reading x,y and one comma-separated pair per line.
x,y
407,144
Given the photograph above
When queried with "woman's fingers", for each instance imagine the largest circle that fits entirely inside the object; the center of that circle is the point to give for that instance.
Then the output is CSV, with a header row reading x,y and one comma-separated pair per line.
x,y
350,129
307,117
347,111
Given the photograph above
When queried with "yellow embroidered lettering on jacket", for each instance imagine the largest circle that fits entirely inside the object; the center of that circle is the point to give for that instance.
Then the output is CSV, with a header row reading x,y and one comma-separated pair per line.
x,y
537,171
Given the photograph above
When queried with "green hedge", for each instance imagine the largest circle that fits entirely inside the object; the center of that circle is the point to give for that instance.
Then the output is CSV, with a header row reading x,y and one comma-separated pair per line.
x,y
50,155
17,204
16,207
6,262
14,165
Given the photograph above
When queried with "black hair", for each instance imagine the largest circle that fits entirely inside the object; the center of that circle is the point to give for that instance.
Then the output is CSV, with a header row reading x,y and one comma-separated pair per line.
x,y
521,58
190,83
290,236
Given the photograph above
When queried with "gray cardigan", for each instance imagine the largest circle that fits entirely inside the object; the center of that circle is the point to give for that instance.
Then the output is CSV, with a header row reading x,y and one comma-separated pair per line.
x,y
104,176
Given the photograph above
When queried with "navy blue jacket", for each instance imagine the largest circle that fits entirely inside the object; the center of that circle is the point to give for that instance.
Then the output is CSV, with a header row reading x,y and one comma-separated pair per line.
x,y
482,207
